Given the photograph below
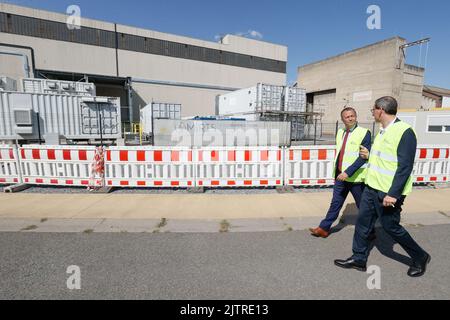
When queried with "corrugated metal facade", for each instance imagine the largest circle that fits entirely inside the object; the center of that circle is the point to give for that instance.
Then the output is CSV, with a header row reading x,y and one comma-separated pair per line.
x,y
34,27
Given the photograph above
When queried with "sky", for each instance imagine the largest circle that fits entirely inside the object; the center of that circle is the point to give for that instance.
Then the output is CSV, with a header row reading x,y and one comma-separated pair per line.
x,y
312,30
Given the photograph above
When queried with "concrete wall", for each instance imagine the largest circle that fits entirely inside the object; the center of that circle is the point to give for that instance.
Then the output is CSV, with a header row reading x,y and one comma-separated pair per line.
x,y
360,77
194,83
412,87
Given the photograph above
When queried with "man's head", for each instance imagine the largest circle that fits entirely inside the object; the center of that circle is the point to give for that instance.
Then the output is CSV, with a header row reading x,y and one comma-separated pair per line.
x,y
348,116
384,107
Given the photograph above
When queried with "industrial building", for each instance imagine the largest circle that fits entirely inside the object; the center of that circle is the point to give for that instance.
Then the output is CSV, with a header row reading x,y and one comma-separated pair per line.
x,y
137,65
361,76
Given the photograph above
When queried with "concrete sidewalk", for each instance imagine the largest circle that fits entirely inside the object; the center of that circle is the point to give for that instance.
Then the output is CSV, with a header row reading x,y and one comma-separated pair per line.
x,y
195,212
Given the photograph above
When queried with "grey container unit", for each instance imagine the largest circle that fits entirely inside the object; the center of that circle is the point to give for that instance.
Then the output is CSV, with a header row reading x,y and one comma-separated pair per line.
x,y
156,110
33,85
218,133
70,117
295,99
269,97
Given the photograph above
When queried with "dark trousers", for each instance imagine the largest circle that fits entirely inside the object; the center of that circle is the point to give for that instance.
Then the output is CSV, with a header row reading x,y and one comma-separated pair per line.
x,y
340,192
372,208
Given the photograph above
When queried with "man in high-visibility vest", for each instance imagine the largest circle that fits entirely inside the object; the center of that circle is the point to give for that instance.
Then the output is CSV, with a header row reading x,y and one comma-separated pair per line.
x,y
388,181
349,169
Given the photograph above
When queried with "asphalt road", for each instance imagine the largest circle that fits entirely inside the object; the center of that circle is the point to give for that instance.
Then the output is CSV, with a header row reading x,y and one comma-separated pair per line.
x,y
252,265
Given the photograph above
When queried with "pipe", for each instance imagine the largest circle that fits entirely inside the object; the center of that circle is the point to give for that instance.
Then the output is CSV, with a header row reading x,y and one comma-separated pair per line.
x,y
182,84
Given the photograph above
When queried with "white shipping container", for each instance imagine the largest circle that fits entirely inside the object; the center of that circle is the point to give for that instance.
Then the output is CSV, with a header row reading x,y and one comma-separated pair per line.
x,y
71,117
259,98
158,111
198,133
33,85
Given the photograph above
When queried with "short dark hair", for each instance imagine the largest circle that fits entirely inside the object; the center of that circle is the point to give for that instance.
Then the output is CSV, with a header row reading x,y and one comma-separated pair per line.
x,y
348,109
388,104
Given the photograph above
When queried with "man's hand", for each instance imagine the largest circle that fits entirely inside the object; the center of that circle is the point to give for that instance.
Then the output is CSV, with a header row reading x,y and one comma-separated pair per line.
x,y
363,152
342,176
389,201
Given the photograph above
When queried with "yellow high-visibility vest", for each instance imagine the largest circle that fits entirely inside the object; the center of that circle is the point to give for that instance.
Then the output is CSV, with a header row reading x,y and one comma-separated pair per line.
x,y
351,152
383,162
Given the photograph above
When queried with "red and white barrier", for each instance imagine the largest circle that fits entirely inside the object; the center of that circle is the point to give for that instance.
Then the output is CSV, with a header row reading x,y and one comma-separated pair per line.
x,y
56,165
9,165
149,167
309,165
238,167
432,164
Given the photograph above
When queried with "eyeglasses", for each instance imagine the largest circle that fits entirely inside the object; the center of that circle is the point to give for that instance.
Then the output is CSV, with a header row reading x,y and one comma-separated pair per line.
x,y
375,108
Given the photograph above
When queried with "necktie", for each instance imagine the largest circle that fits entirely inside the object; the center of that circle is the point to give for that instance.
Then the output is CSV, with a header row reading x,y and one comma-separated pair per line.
x,y
341,153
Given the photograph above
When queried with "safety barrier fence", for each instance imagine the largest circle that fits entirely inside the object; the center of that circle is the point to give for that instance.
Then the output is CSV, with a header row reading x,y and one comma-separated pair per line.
x,y
9,165
191,167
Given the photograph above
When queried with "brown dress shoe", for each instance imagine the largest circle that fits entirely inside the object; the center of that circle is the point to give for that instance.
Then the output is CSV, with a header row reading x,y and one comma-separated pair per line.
x,y
319,232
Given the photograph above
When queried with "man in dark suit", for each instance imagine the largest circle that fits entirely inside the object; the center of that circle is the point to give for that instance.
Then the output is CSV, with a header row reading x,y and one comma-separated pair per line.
x,y
349,169
388,181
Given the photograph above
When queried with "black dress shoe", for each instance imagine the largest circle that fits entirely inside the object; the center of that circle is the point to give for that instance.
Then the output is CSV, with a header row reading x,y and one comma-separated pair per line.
x,y
418,269
351,263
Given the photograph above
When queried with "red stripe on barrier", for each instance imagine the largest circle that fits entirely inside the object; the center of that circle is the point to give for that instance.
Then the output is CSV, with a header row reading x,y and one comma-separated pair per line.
x,y
321,181
436,153
22,153
322,154
82,155
108,155
54,181
27,180
109,183
174,183
248,156
423,153
419,179
278,182
35,153
190,156
447,154
11,154
291,181
124,183
69,181
141,183
2,180
433,179
189,183
306,155
214,156
305,181
279,155
39,180
157,155
231,155
140,155
175,156
291,154
16,180
123,155
66,155
215,183
264,182
200,156
51,154
200,183
247,182
445,179
264,155
231,183
84,182
158,183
